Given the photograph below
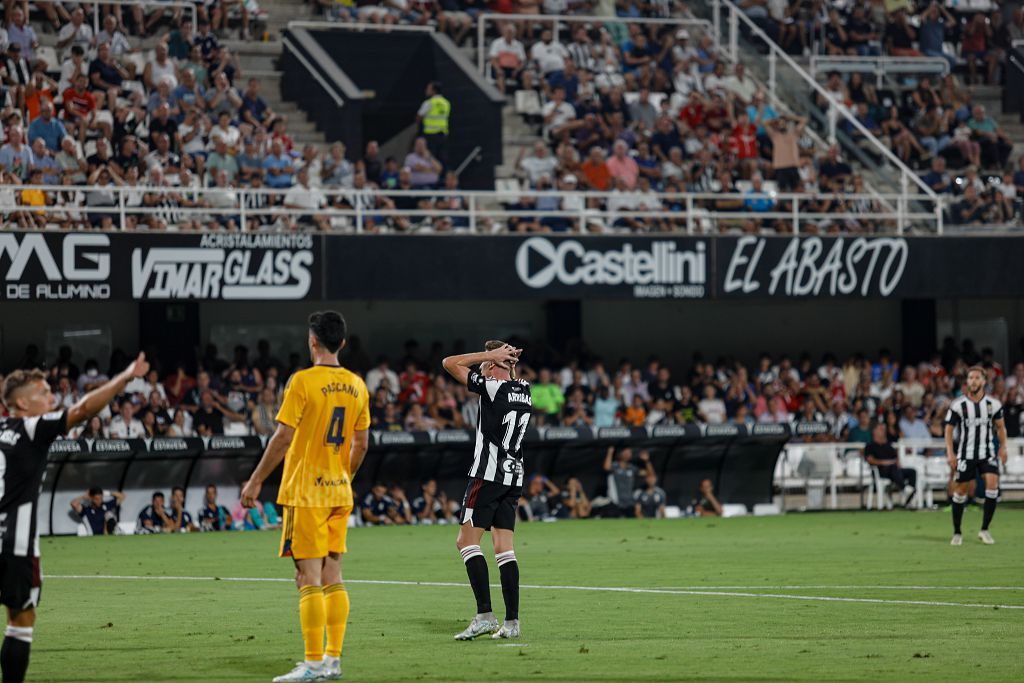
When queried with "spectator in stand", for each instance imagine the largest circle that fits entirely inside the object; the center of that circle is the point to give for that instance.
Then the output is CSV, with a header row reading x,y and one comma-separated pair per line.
x,y
279,167
934,22
154,518
47,127
785,134
970,210
20,34
621,166
124,425
576,412
209,417
424,169
16,156
538,164
213,516
99,515
573,500
995,143
711,408
649,502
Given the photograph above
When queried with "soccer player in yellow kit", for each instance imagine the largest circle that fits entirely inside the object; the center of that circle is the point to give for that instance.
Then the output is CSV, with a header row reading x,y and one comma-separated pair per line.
x,y
322,436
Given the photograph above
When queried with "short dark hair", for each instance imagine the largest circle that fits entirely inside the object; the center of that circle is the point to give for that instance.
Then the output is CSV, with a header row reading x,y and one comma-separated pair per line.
x,y
158,493
95,491
329,329
18,379
176,489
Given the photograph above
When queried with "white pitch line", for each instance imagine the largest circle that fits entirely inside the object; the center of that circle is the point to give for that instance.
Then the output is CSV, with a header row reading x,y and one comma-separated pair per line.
x,y
849,587
600,589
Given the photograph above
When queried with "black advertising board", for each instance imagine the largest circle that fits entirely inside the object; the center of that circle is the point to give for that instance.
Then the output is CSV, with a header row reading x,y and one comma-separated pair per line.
x,y
508,267
872,267
272,267
159,267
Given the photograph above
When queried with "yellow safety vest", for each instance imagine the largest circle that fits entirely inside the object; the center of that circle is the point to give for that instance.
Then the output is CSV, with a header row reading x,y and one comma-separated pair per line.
x,y
436,120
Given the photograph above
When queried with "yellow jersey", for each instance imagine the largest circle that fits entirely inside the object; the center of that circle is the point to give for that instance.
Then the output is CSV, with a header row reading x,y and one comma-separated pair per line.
x,y
325,405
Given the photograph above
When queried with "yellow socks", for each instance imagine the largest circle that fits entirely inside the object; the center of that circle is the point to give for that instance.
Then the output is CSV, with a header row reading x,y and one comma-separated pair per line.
x,y
312,617
336,599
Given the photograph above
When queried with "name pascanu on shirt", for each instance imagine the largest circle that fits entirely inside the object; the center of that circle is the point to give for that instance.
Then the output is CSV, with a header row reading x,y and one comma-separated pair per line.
x,y
339,388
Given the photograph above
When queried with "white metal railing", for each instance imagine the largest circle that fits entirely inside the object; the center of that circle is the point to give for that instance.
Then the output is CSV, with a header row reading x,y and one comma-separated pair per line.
x,y
879,66
483,211
556,21
145,4
735,17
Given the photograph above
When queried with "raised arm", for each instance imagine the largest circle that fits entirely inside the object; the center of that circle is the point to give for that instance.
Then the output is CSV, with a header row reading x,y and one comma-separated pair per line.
x,y
95,400
608,459
458,366
277,447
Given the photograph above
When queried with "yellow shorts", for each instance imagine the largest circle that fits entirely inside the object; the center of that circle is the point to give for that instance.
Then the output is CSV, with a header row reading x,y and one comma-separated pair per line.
x,y
307,533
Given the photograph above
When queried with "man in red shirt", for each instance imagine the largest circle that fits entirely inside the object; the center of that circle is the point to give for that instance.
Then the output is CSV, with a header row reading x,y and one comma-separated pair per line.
x,y
596,170
692,113
743,142
415,384
80,108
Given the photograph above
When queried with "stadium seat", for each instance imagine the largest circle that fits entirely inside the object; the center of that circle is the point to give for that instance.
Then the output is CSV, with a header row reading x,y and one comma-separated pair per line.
x,y
528,103
48,55
878,492
734,510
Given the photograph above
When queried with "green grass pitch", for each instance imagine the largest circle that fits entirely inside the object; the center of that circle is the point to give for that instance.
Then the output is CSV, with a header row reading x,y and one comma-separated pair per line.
x,y
93,629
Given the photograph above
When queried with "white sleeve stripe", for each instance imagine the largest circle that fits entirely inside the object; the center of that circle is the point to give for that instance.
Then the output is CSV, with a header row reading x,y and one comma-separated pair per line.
x,y
30,426
492,386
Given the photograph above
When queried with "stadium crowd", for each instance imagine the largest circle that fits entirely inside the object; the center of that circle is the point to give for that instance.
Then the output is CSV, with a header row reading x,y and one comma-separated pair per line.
x,y
241,395
630,109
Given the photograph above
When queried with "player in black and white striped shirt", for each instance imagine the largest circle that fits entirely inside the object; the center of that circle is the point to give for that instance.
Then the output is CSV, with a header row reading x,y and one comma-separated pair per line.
x,y
25,438
496,479
975,419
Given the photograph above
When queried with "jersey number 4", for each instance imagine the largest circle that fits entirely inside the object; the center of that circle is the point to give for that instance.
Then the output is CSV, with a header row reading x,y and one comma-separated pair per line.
x,y
510,427
336,428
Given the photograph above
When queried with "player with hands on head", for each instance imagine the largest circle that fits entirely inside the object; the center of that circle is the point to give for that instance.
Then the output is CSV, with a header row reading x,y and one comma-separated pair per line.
x,y
496,479
25,438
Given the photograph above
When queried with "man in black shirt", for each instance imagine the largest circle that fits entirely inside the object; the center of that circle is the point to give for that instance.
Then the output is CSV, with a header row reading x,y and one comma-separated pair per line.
x,y
98,515
25,438
209,418
880,453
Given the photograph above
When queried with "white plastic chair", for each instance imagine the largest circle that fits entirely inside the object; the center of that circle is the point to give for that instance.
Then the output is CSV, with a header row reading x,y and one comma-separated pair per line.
x,y
879,490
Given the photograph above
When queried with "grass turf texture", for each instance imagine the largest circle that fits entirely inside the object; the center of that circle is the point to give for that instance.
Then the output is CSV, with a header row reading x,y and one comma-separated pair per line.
x,y
145,630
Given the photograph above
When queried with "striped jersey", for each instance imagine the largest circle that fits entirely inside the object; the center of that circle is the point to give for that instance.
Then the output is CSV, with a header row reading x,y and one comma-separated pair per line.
x,y
505,409
974,435
24,444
